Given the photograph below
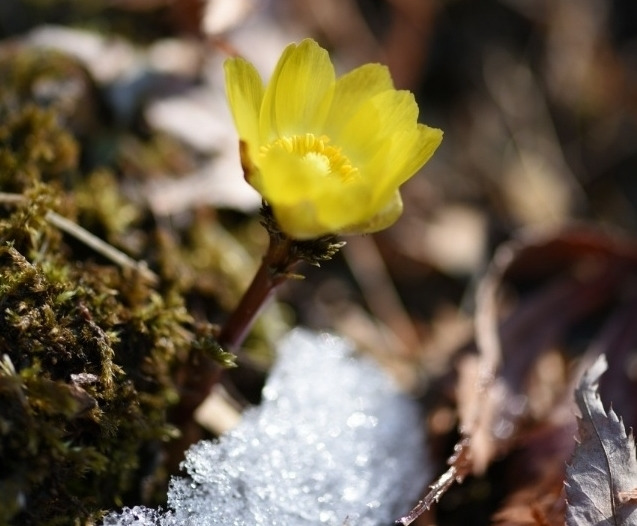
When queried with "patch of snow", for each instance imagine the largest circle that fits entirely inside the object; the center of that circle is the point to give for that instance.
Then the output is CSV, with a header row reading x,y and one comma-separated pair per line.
x,y
334,442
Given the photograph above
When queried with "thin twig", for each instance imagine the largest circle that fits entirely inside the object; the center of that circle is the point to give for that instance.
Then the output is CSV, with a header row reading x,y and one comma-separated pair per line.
x,y
101,247
11,198
81,234
488,342
460,466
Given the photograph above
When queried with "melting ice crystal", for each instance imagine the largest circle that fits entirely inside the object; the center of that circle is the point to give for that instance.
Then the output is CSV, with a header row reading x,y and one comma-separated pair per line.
x,y
333,443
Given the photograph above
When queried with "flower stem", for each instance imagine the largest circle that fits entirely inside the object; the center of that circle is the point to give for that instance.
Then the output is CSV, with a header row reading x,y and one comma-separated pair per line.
x,y
202,372
201,375
275,268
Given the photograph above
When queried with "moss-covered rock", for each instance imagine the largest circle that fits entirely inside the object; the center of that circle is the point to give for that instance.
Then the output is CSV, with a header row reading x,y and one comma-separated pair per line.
x,y
88,351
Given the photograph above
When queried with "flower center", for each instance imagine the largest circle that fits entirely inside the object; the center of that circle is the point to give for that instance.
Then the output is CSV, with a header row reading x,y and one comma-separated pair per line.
x,y
315,151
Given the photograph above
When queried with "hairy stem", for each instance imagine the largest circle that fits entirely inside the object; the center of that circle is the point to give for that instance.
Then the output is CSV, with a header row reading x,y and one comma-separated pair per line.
x,y
274,270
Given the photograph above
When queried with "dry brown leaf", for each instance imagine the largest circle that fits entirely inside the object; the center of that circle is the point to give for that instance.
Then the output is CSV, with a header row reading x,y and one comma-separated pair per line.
x,y
576,272
564,279
604,468
536,468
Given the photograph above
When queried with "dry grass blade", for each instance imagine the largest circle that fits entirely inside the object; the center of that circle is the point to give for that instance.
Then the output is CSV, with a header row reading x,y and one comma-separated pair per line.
x,y
101,247
81,234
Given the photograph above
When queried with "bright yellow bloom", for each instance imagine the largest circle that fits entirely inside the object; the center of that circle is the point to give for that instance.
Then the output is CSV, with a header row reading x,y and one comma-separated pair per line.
x,y
327,154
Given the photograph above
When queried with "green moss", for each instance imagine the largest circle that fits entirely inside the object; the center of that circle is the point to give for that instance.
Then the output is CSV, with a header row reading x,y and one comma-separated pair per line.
x,y
86,385
88,351
30,148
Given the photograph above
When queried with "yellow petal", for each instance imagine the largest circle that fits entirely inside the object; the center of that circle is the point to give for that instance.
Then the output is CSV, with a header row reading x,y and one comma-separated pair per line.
x,y
286,178
245,90
343,205
329,212
375,121
304,188
352,90
400,158
328,155
415,153
299,93
337,212
385,217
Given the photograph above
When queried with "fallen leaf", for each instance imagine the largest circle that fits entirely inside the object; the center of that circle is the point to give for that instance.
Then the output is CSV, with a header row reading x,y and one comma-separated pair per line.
x,y
604,467
571,275
536,295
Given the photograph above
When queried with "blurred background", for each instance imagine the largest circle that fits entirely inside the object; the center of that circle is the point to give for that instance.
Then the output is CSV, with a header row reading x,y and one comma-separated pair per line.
x,y
537,100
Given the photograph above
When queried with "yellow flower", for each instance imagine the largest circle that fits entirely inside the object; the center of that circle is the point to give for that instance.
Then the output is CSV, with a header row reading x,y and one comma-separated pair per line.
x,y
327,154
